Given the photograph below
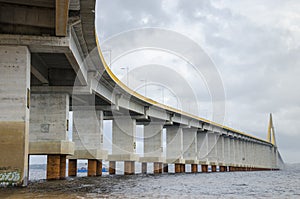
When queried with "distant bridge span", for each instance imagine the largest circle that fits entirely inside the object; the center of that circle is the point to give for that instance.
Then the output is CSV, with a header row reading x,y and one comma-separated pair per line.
x,y
51,64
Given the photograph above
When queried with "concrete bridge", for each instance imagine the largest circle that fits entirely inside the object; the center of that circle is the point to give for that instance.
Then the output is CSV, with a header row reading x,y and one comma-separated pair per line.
x,y
51,64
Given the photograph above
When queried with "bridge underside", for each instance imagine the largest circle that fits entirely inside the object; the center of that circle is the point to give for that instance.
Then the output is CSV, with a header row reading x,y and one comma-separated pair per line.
x,y
49,66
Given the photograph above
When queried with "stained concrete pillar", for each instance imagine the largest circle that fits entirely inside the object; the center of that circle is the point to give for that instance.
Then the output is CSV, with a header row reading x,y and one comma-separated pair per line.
x,y
153,145
174,147
157,167
99,168
177,168
190,146
49,128
124,143
129,167
92,168
88,134
53,167
202,147
144,167
14,114
72,171
112,167
212,138
63,164
223,168
194,168
213,168
166,168
204,168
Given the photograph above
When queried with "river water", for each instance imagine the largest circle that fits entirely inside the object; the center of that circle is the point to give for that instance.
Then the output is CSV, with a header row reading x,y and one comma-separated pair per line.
x,y
263,184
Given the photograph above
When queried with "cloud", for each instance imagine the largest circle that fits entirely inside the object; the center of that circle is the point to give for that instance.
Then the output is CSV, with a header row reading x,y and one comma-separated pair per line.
x,y
254,44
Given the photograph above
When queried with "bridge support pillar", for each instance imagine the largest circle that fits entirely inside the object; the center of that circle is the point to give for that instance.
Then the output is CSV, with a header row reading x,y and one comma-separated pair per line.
x,y
49,130
124,143
14,115
222,168
72,171
99,168
129,167
194,168
56,167
157,166
92,168
174,147
213,168
177,168
166,168
144,167
153,142
204,168
112,167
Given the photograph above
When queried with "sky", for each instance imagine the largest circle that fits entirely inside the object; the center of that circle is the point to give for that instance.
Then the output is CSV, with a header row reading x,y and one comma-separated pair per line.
x,y
254,44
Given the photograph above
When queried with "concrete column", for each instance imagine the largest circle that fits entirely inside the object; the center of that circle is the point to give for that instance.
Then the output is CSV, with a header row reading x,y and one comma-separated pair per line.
x,y
124,143
166,168
157,167
99,168
194,168
227,151
112,167
212,147
14,114
153,144
72,171
202,148
174,145
213,168
204,168
88,134
144,167
223,169
92,168
53,167
63,164
129,167
190,146
220,150
177,168
182,168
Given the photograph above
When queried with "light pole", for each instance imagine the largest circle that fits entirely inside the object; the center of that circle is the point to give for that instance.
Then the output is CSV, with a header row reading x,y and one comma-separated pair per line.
x,y
127,74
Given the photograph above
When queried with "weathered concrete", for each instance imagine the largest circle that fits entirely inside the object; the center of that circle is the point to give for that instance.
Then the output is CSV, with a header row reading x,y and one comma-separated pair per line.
x,y
153,141
123,140
14,114
49,124
190,146
99,168
129,168
144,167
112,167
177,168
213,168
194,168
56,167
204,168
88,134
157,167
166,168
72,171
92,168
174,147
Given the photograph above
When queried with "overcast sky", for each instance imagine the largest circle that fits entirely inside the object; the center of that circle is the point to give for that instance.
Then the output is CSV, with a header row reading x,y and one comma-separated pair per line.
x,y
253,43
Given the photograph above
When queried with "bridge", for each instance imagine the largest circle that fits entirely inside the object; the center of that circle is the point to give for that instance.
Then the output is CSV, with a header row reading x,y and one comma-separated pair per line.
x,y
51,63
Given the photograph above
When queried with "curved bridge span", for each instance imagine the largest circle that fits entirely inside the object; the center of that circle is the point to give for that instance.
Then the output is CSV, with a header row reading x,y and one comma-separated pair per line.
x,y
51,63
